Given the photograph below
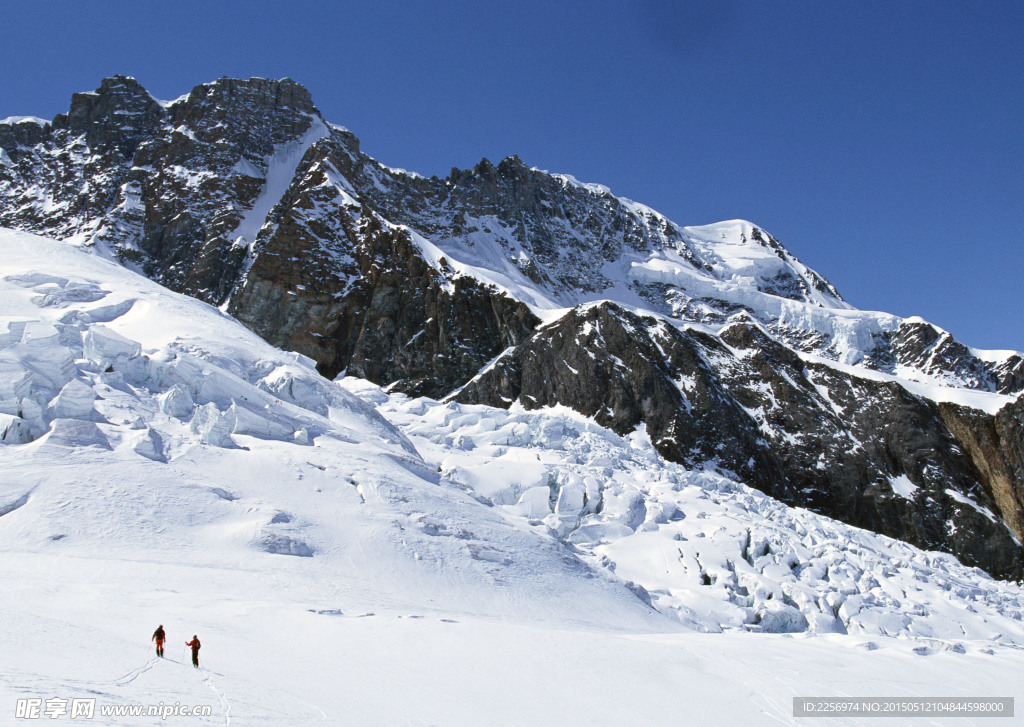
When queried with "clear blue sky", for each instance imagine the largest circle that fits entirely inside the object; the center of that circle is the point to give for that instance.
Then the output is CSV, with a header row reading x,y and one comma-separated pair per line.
x,y
882,142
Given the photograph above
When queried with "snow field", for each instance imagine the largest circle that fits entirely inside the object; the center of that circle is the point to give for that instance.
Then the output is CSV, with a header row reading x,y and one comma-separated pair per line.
x,y
171,427
269,658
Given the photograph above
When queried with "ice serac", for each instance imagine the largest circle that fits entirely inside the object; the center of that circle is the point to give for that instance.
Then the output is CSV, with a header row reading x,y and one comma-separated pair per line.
x,y
715,554
503,283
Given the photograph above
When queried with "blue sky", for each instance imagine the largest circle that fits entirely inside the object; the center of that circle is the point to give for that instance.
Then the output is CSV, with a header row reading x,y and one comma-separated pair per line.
x,y
882,142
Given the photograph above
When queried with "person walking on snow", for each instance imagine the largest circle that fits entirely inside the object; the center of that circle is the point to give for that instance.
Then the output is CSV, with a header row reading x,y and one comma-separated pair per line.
x,y
194,643
159,636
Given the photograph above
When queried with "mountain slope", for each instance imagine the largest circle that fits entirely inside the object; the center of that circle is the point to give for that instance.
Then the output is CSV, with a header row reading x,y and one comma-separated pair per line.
x,y
194,189
242,195
145,424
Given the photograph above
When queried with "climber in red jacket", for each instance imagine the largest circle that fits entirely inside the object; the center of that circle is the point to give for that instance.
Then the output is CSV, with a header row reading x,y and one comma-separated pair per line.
x,y
194,643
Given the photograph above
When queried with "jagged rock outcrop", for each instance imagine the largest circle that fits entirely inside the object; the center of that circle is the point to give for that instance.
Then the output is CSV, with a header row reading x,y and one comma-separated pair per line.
x,y
196,181
164,186
921,346
62,179
242,195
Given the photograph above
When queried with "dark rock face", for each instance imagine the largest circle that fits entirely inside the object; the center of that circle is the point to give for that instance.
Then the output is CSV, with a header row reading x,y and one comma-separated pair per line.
x,y
625,371
901,437
378,310
996,446
164,187
556,230
242,195
196,180
553,229
1010,375
117,117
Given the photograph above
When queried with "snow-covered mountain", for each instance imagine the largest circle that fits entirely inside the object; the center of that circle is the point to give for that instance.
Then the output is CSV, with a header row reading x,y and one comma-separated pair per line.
x,y
349,555
505,284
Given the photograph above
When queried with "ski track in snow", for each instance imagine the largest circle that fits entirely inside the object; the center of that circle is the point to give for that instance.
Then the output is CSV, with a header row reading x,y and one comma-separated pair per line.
x,y
224,703
136,673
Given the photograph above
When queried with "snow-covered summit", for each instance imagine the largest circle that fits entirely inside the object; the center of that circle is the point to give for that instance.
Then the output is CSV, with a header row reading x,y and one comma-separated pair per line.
x,y
740,252
11,120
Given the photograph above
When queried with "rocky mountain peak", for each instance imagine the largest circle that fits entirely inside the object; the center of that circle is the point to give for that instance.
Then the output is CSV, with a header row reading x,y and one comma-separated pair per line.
x,y
228,95
512,164
485,172
251,116
118,115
